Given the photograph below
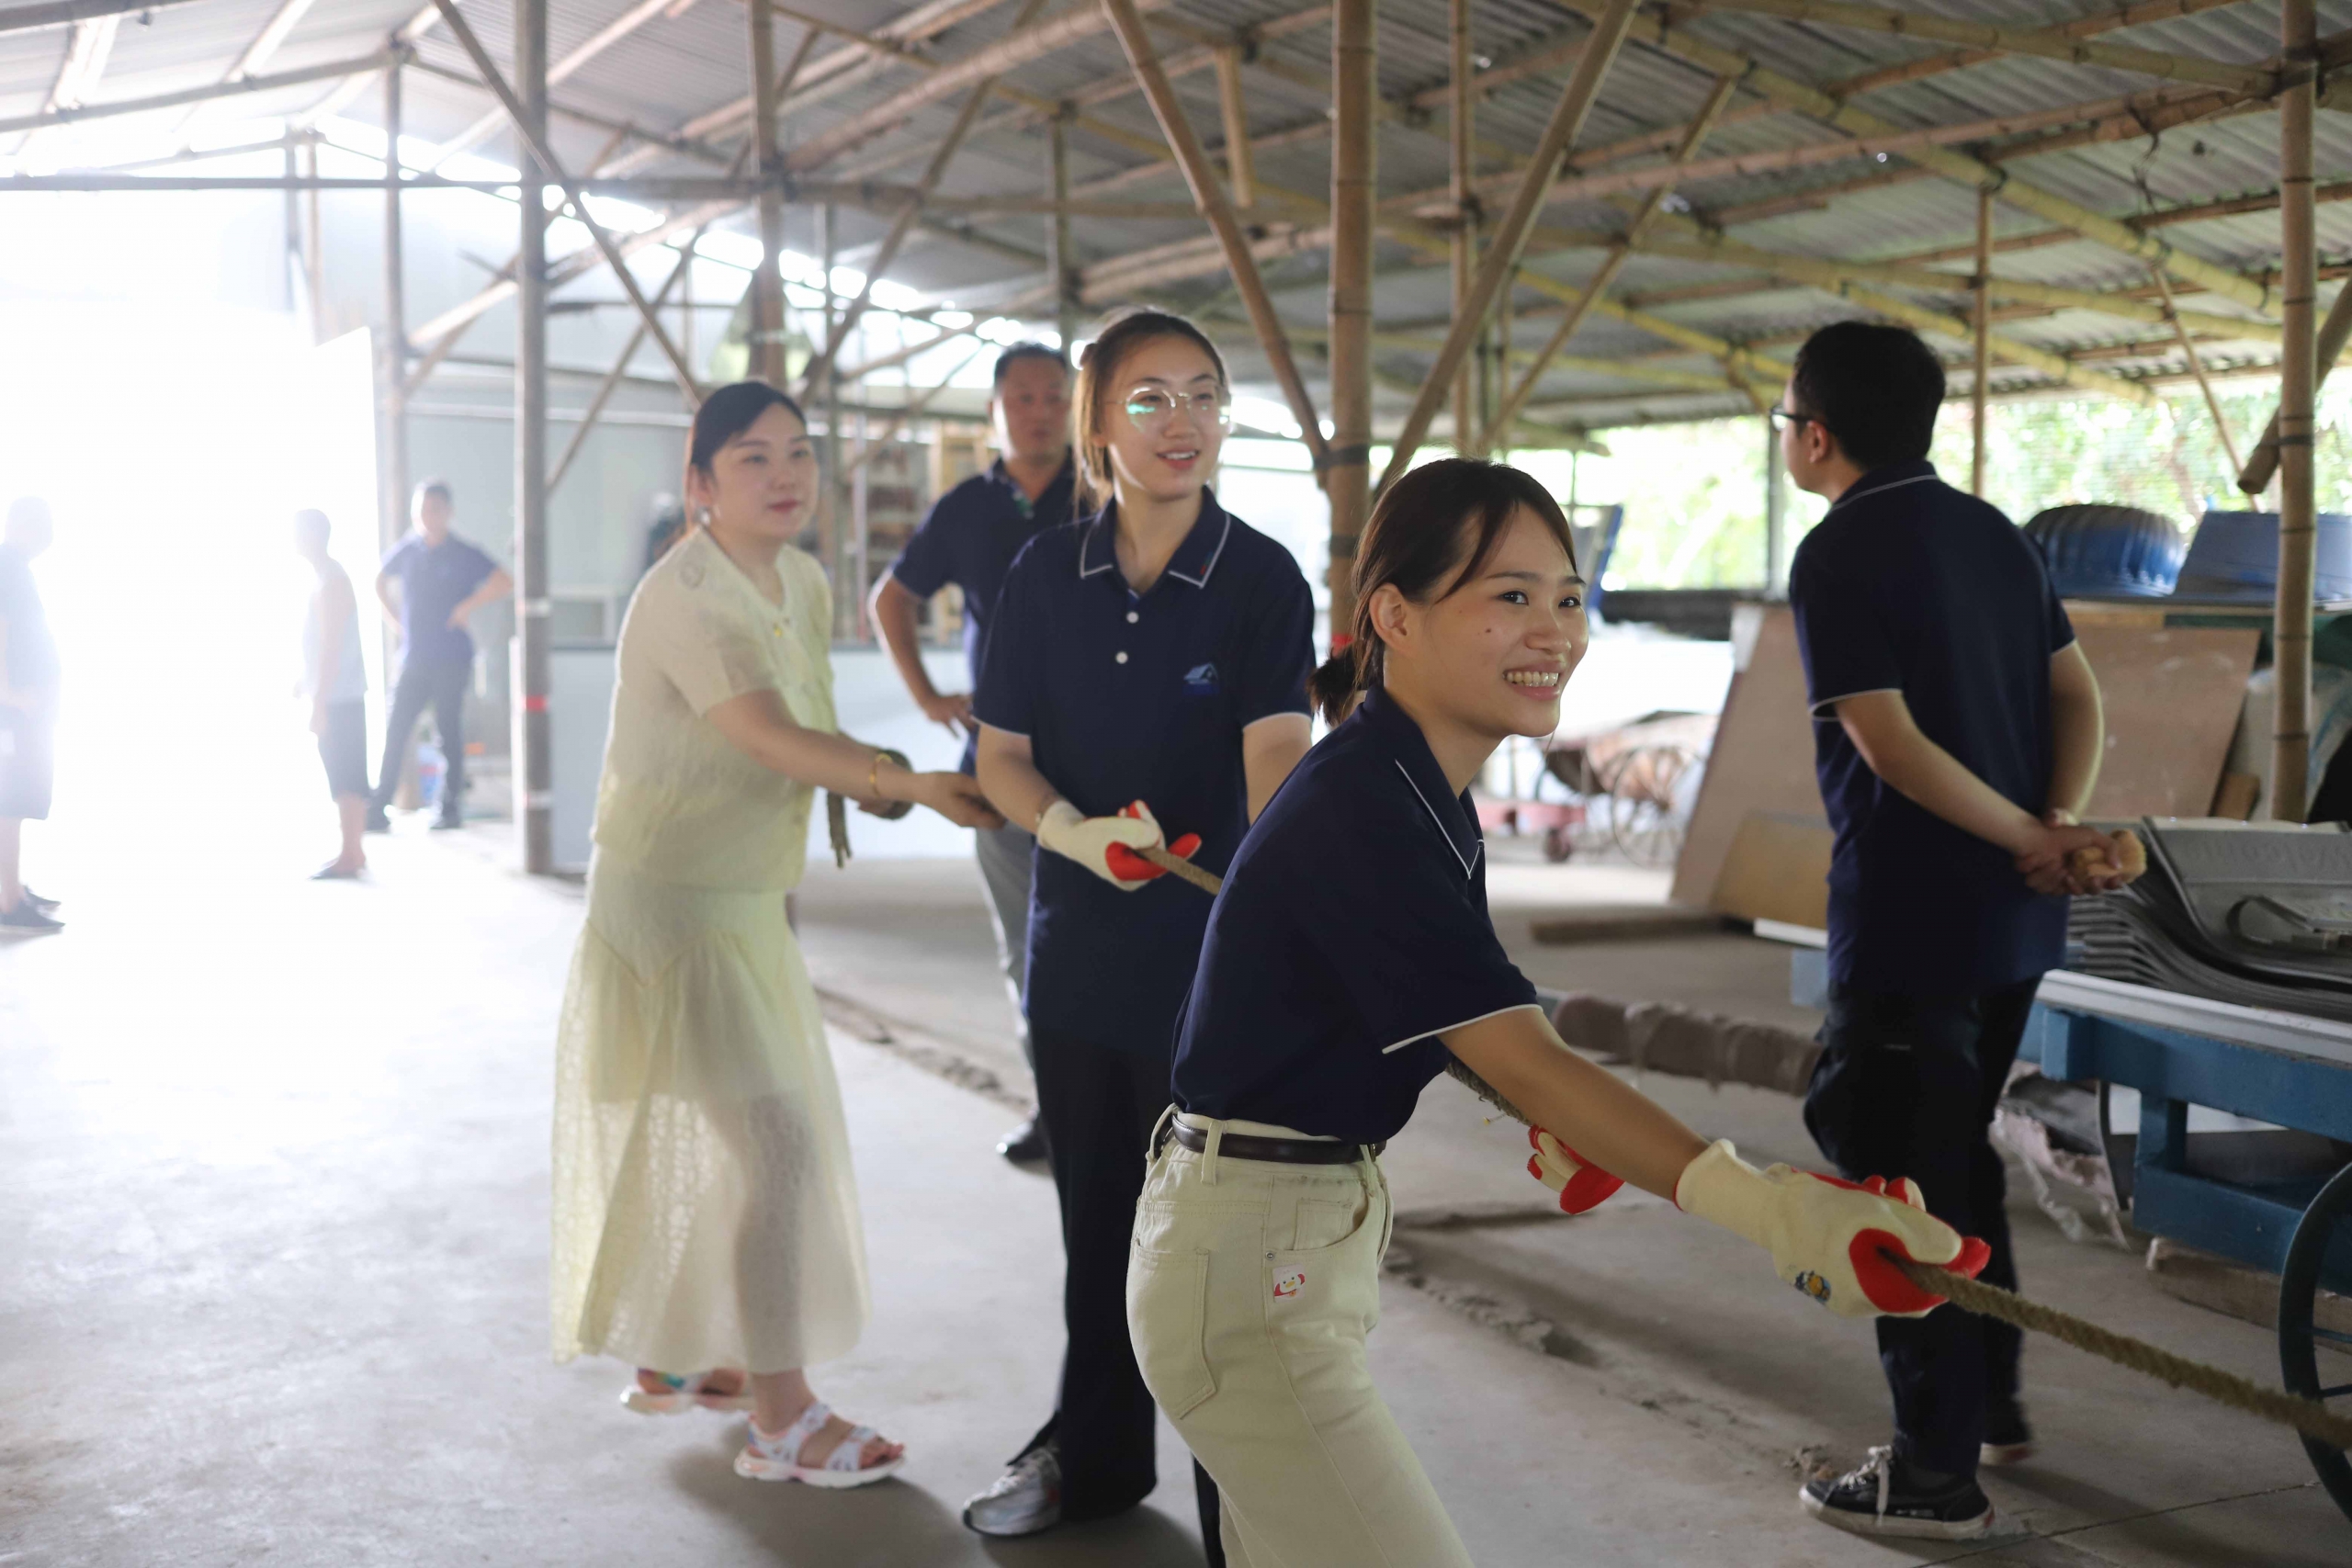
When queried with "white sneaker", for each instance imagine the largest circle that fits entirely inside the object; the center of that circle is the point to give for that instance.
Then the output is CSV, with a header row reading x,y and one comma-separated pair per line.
x,y
1024,1500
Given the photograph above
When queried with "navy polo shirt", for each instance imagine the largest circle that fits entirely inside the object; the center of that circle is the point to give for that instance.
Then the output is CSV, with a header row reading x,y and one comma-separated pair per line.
x,y
435,580
1910,585
1352,931
969,537
1127,696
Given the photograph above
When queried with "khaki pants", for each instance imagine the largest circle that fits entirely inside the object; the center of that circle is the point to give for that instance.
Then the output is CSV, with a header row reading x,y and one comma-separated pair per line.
x,y
1250,1287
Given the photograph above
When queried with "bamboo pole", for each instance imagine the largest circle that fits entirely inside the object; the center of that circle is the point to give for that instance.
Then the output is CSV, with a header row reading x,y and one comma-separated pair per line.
x,y
1064,271
1982,285
1127,22
1461,188
392,517
914,407
2297,380
2334,333
766,357
1510,235
1347,478
612,32
619,372
65,12
1701,125
2197,368
1241,167
533,761
534,136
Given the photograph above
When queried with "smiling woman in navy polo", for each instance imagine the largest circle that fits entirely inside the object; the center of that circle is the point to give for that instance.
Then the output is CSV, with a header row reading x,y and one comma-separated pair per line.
x,y
1146,666
1350,952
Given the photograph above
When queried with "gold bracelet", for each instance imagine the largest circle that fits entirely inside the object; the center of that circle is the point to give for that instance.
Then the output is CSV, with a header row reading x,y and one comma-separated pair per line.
x,y
874,777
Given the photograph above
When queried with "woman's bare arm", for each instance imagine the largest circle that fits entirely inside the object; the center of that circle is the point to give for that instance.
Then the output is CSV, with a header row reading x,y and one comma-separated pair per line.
x,y
759,725
1607,1121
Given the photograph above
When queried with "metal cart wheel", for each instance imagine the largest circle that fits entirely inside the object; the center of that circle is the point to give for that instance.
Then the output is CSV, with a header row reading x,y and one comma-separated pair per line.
x,y
1646,804
2320,1255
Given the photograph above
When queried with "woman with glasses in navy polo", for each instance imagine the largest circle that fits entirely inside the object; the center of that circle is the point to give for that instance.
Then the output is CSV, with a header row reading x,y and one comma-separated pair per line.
x,y
1147,671
1350,952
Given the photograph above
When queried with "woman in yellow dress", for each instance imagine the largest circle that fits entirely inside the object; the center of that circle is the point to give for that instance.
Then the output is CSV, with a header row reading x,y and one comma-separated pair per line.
x,y
705,1214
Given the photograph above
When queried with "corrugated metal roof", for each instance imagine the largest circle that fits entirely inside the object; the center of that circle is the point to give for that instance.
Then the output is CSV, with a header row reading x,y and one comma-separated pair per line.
x,y
675,69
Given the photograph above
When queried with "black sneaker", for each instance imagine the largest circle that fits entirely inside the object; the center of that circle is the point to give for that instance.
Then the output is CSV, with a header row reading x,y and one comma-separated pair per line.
x,y
29,920
377,822
1025,1145
1876,1499
2008,1439
46,906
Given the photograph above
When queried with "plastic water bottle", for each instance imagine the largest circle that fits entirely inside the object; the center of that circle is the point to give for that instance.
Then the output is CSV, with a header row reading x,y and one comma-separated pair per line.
x,y
431,767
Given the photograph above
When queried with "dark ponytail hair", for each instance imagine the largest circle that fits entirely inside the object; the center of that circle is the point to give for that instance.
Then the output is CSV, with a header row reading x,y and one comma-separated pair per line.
x,y
1438,524
727,413
1121,333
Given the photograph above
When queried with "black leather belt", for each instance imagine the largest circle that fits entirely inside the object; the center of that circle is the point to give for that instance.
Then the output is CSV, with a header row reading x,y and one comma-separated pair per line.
x,y
1281,1151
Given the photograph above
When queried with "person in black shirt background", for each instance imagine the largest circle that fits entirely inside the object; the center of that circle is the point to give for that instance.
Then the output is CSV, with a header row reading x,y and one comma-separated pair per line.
x,y
1957,736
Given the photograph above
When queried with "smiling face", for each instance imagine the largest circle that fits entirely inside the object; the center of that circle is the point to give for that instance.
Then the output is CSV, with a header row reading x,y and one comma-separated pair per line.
x,y
1491,657
762,483
1030,410
1162,415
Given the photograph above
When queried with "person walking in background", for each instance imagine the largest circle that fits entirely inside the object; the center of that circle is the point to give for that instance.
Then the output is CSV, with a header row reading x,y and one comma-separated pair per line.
x,y
28,680
970,538
1957,734
337,685
706,1219
442,580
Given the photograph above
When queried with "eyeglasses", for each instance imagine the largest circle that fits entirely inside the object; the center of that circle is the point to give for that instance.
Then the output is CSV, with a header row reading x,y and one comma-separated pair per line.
x,y
1153,409
1782,418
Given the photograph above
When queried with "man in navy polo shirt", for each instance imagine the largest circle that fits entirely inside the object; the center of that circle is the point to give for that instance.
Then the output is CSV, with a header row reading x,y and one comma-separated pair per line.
x,y
970,538
442,580
1957,734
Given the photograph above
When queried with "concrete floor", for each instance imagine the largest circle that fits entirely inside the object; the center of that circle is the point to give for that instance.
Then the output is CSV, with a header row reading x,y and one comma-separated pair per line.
x,y
277,1157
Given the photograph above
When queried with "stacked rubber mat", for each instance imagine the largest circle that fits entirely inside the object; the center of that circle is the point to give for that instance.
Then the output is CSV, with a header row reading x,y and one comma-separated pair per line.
x,y
2258,914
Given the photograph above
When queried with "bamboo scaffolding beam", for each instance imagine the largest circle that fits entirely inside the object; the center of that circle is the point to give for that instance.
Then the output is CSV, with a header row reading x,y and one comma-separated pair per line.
x,y
1510,235
1241,168
536,141
1062,274
612,32
2290,737
67,13
2197,368
1985,38
1957,167
1126,19
275,80
914,407
1462,189
1597,285
1981,347
534,763
2334,333
765,359
1347,469
619,372
391,512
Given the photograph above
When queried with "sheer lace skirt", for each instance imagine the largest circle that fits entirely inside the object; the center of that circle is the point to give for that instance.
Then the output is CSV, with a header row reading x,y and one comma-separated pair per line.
x,y
705,1210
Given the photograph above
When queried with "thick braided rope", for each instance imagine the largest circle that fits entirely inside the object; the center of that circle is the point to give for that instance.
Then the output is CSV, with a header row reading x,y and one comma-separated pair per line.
x,y
2307,1417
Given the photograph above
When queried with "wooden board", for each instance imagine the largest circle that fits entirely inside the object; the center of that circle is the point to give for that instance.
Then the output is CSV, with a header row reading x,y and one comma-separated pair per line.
x,y
2172,698
1778,869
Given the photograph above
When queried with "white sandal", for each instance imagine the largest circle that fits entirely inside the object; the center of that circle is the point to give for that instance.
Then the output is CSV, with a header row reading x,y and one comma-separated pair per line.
x,y
777,1458
681,1395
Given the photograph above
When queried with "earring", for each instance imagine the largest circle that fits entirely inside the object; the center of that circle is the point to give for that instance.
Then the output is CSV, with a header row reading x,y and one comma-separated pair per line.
x,y
702,516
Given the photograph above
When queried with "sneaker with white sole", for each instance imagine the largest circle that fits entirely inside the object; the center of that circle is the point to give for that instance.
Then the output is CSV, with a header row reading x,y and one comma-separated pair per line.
x,y
1877,1497
1025,1499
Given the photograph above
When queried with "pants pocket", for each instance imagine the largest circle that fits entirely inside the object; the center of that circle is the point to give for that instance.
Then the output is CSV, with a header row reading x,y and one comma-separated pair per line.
x,y
1167,1318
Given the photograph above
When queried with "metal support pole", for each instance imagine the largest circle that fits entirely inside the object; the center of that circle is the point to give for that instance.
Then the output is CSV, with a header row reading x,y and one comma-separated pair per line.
x,y
1776,514
767,284
391,518
1347,482
1061,261
534,781
1983,324
1462,134
314,250
2297,377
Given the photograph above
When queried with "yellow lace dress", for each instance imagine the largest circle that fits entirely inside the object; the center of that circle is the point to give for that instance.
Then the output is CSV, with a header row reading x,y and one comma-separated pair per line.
x,y
704,1211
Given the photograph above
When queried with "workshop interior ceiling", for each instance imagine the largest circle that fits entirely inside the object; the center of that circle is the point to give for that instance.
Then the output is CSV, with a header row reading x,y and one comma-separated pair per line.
x,y
2124,145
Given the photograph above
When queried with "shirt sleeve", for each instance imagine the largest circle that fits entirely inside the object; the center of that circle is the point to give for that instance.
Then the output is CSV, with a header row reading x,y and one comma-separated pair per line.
x,y
923,568
688,636
1006,697
1414,953
396,558
1278,651
1840,636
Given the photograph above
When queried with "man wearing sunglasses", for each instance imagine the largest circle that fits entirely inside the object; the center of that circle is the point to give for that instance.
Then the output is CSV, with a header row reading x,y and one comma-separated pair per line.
x,y
1957,733
970,538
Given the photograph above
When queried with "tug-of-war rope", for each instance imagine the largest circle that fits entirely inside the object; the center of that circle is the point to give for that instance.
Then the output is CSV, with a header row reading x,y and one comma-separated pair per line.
x,y
2307,1417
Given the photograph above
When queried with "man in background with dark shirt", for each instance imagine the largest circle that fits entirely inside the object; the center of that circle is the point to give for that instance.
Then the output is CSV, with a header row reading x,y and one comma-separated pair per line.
x,y
28,713
1957,733
970,538
442,581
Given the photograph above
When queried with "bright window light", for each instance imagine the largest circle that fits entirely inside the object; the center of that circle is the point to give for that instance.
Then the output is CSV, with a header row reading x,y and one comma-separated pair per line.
x,y
1264,413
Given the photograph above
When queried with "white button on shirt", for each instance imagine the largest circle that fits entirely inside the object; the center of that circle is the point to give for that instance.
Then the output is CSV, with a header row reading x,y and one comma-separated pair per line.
x,y
1133,617
1121,656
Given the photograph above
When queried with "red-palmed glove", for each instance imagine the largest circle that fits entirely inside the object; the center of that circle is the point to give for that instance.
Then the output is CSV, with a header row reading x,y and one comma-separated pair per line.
x,y
1827,1236
1580,1184
1131,868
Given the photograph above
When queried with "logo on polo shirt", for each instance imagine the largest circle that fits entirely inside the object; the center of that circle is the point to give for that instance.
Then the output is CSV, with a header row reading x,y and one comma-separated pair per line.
x,y
1288,1286
1200,681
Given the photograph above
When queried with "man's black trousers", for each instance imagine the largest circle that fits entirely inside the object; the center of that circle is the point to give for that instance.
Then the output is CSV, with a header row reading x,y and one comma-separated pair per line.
x,y
1906,1086
1099,1106
442,686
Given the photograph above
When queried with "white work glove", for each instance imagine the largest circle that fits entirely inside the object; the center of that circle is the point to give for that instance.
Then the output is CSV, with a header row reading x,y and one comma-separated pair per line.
x,y
1826,1235
1092,840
